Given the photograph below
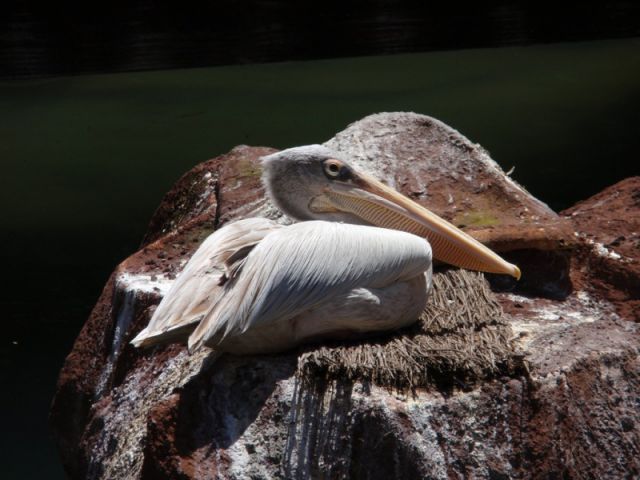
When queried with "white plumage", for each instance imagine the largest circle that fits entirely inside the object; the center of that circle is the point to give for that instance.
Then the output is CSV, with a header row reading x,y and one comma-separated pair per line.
x,y
303,266
255,286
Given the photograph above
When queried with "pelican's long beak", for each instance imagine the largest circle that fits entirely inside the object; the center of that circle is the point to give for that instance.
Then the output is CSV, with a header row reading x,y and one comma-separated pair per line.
x,y
382,206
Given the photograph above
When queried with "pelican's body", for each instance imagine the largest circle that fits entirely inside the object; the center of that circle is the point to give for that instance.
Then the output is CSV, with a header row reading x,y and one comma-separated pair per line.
x,y
255,286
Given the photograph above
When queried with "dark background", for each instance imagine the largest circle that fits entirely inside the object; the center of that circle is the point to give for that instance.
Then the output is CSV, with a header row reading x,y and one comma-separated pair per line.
x,y
88,152
41,37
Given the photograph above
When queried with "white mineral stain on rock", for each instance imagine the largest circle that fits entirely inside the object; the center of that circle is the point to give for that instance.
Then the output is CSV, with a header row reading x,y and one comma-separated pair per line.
x,y
130,286
536,321
604,252
118,451
136,282
599,248
123,320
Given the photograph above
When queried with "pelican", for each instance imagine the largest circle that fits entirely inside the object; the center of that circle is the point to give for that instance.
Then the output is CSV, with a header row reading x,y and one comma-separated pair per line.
x,y
359,260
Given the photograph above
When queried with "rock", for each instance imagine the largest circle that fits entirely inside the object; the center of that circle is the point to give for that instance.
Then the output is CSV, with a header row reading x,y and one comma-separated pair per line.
x,y
440,168
609,224
162,413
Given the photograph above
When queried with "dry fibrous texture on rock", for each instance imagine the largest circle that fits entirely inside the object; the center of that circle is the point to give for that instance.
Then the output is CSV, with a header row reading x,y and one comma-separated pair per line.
x,y
162,413
462,334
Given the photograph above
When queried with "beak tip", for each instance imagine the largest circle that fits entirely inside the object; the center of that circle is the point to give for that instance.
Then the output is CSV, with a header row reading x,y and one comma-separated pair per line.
x,y
516,272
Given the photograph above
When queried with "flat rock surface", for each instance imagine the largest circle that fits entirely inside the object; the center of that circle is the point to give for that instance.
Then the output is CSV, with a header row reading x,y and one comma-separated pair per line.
x,y
572,413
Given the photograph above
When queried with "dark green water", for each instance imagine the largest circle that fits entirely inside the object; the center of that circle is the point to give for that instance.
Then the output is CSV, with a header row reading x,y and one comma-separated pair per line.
x,y
87,159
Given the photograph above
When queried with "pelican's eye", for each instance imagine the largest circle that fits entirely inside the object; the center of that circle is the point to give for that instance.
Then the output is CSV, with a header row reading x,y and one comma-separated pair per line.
x,y
332,168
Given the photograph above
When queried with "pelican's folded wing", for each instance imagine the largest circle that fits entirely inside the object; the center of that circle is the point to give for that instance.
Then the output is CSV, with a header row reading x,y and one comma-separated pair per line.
x,y
299,266
201,283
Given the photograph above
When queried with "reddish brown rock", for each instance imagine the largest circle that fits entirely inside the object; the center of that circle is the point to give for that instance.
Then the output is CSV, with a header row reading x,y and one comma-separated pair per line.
x,y
162,413
609,225
102,358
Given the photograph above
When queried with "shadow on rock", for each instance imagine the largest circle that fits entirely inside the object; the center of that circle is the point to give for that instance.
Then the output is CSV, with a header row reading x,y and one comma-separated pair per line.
x,y
331,436
198,426
545,274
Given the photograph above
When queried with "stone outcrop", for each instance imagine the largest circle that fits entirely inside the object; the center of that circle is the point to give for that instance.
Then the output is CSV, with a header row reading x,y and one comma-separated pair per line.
x,y
571,411
609,223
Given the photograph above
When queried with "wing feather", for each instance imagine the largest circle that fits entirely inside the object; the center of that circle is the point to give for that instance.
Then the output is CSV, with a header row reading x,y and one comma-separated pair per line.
x,y
200,285
296,267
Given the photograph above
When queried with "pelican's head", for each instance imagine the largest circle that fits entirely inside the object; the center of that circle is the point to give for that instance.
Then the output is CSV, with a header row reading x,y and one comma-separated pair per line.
x,y
314,183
